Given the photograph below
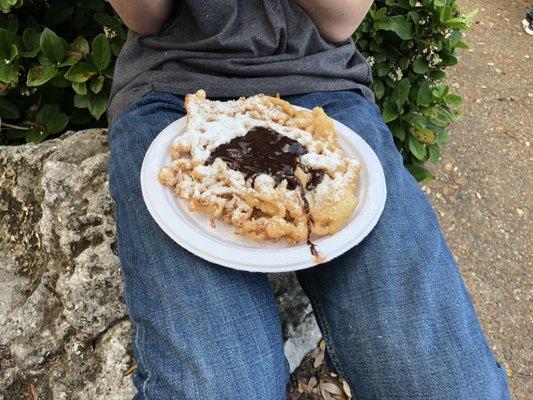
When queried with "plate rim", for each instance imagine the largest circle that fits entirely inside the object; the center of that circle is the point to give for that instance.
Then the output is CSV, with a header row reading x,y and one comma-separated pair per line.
x,y
289,265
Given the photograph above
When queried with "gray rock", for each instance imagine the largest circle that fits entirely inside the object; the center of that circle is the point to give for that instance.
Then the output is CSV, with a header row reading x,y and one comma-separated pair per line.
x,y
64,331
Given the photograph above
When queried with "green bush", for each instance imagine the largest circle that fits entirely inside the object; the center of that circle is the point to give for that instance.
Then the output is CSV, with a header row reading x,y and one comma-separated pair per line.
x,y
57,58
409,44
56,65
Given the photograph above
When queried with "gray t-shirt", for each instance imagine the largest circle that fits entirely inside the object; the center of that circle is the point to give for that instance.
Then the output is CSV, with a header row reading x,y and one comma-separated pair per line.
x,y
235,48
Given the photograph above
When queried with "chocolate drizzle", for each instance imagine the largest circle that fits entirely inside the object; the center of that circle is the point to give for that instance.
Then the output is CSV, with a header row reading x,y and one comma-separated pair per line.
x,y
262,151
265,151
316,178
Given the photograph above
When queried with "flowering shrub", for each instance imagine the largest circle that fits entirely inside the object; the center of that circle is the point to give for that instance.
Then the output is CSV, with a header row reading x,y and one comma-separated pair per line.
x,y
409,44
57,59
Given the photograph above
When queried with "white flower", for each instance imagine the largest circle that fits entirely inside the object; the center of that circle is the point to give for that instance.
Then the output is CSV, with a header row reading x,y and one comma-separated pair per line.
x,y
435,60
418,4
396,74
370,60
109,32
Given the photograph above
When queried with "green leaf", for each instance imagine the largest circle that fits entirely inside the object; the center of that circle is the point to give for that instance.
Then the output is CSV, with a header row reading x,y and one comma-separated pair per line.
x,y
438,75
439,3
8,110
12,23
454,38
98,105
36,136
81,101
425,136
103,19
15,133
398,24
96,84
45,112
39,75
398,130
449,59
56,122
388,113
416,148
101,52
403,63
30,53
80,45
440,91
116,46
30,39
379,88
434,153
383,69
462,45
401,91
51,46
7,39
424,94
70,60
420,66
421,174
57,14
415,120
472,14
79,88
14,53
8,72
59,81
402,27
81,72
453,99
456,22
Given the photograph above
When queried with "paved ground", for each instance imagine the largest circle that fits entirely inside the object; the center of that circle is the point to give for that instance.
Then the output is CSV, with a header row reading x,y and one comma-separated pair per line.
x,y
482,190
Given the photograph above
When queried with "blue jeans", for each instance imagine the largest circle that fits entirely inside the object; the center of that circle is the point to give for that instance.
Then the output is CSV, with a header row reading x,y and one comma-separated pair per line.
x,y
395,314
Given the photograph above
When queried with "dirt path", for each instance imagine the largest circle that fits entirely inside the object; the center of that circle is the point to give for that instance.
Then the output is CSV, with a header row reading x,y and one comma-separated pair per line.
x,y
482,188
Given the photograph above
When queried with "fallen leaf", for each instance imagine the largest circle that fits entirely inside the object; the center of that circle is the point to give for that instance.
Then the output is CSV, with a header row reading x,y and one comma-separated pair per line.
x,y
312,383
325,394
346,388
330,387
130,369
319,359
32,393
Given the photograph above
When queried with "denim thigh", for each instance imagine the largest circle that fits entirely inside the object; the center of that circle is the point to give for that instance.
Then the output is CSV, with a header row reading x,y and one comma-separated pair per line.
x,y
201,331
397,319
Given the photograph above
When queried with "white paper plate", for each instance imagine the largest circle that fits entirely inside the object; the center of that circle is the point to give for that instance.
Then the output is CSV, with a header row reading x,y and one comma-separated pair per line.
x,y
222,246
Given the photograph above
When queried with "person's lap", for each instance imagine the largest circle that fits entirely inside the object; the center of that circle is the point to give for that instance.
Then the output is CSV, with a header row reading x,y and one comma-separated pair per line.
x,y
394,312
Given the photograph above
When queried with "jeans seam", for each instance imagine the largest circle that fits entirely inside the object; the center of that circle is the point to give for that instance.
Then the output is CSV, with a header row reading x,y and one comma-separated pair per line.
x,y
325,328
143,363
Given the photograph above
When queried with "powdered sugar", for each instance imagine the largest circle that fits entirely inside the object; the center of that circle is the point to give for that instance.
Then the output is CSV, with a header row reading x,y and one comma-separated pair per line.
x,y
257,207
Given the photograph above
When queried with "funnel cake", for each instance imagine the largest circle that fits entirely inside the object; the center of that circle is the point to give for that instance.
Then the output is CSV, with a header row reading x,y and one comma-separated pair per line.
x,y
271,170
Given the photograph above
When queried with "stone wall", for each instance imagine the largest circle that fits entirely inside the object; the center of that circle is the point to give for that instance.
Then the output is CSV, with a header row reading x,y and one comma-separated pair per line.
x,y
64,331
